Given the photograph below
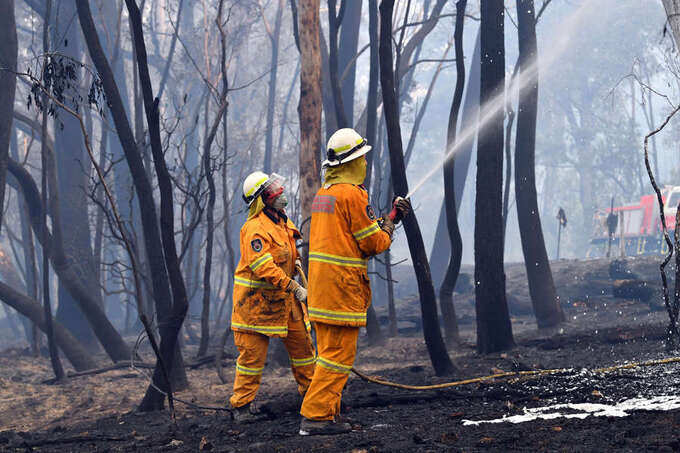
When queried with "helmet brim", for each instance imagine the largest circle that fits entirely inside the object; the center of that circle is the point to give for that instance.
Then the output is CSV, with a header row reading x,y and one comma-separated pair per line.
x,y
355,155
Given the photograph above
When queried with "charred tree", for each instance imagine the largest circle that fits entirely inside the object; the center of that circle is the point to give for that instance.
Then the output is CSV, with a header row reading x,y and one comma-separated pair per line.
x,y
57,367
349,37
441,249
8,82
74,351
160,281
72,172
309,108
274,37
170,322
173,46
435,344
212,191
329,116
373,78
541,286
108,336
453,269
494,332
210,233
30,262
110,14
334,20
375,335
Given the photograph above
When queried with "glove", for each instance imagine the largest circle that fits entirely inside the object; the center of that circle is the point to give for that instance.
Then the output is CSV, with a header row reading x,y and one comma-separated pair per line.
x,y
298,291
403,208
387,225
298,263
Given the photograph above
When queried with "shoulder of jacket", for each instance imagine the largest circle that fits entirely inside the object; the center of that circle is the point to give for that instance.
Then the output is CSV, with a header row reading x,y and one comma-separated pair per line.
x,y
253,226
345,190
356,193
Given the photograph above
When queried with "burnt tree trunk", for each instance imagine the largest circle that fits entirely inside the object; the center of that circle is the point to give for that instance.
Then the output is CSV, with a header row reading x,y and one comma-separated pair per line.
x,y
57,367
435,344
329,116
391,309
349,37
72,167
373,332
69,273
372,100
274,37
309,108
30,262
8,82
494,332
212,192
170,322
173,46
108,336
375,335
541,286
453,269
226,227
334,21
441,248
283,124
74,351
210,233
152,240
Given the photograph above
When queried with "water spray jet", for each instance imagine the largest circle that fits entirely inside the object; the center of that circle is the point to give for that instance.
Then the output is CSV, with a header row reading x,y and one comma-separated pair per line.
x,y
526,77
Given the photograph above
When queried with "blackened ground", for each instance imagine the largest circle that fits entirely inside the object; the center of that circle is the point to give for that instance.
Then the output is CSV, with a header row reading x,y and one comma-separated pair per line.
x,y
95,413
397,420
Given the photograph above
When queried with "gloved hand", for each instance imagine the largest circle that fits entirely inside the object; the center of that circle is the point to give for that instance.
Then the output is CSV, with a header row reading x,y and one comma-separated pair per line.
x,y
298,263
403,208
387,225
298,291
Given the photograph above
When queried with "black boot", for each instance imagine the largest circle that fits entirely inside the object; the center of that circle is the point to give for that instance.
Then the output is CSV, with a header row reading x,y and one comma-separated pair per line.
x,y
323,427
247,414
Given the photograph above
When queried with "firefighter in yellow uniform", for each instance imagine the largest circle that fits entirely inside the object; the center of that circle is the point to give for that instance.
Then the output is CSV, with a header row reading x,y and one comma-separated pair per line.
x,y
344,234
267,300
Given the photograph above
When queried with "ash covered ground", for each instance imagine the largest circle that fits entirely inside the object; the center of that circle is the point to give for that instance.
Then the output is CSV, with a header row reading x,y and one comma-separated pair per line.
x,y
96,413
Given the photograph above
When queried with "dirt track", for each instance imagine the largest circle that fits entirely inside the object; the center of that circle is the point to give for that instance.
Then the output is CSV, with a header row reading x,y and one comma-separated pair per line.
x,y
85,414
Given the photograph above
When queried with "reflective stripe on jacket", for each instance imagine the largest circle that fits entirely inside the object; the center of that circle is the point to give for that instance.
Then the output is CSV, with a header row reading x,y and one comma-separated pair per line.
x,y
268,254
344,234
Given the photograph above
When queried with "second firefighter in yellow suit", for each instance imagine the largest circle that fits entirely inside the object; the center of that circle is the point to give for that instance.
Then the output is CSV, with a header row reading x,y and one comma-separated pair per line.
x,y
344,234
267,300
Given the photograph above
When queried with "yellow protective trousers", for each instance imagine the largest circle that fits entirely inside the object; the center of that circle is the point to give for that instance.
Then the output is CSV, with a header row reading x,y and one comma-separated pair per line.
x,y
337,347
252,347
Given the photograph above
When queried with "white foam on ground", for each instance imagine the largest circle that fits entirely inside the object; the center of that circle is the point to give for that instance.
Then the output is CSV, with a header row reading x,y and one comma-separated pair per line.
x,y
583,410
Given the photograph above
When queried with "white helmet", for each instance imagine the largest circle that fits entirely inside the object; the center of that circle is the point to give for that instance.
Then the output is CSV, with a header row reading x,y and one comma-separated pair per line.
x,y
343,146
258,183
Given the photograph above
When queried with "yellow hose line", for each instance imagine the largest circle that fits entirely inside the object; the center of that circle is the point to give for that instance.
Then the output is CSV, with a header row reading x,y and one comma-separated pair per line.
x,y
508,374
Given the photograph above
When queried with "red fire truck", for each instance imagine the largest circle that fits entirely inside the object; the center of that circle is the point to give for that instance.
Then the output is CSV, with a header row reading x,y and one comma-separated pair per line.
x,y
638,226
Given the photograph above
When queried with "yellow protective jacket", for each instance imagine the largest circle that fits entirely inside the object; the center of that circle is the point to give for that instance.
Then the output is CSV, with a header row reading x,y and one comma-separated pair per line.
x,y
262,302
344,234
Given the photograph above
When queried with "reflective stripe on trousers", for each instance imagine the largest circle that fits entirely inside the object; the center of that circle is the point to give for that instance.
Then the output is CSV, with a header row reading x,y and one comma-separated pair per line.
x,y
337,347
253,347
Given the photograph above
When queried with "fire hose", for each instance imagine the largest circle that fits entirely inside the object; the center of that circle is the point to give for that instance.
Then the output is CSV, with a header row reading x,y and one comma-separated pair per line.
x,y
506,374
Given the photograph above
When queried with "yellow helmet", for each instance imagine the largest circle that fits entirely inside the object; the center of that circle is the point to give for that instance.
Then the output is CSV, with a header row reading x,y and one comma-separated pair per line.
x,y
258,183
345,145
